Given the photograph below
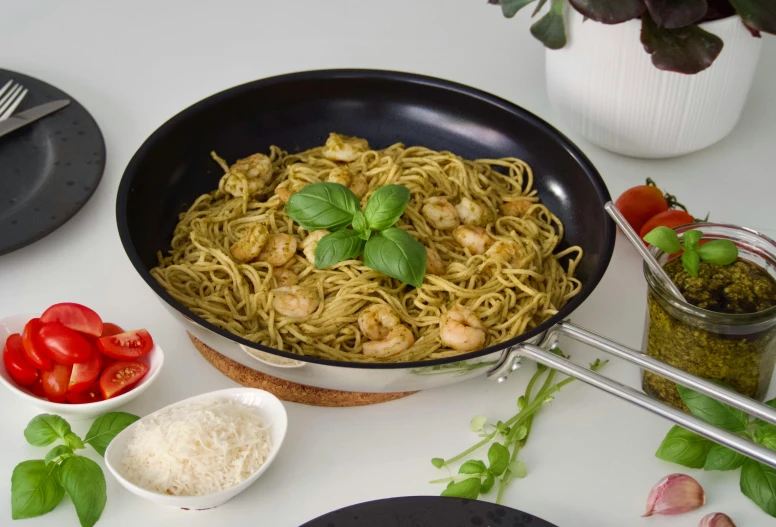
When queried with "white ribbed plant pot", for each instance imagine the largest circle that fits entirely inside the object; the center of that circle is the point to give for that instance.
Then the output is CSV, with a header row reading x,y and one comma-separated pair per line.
x,y
604,86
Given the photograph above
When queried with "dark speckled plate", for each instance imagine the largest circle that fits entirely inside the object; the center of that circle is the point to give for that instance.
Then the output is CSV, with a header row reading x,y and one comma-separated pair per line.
x,y
48,169
427,511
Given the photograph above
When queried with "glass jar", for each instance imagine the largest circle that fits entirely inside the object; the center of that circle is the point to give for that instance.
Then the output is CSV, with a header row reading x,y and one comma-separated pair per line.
x,y
736,349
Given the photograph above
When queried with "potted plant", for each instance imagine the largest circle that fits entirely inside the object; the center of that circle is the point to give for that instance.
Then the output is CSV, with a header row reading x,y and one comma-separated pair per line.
x,y
650,78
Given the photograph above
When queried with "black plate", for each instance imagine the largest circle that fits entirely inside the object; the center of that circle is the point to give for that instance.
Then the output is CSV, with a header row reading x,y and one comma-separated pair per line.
x,y
48,169
427,511
297,111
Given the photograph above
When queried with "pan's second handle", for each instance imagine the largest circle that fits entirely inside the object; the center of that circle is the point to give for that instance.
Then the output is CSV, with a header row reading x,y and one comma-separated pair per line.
x,y
638,398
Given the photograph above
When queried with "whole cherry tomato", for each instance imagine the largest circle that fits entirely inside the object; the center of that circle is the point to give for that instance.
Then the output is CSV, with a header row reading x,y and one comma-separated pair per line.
x,y
668,218
639,204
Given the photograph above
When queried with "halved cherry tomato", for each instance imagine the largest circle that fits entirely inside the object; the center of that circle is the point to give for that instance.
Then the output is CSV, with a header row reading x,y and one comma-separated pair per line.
x,y
36,388
18,367
669,218
109,329
126,346
85,373
74,316
55,382
639,204
90,395
33,347
65,345
120,376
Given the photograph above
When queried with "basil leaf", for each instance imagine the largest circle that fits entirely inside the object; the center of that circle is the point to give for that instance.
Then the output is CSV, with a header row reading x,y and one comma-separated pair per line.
x,y
472,467
684,448
722,252
550,29
498,459
758,483
468,488
359,222
765,434
518,469
35,489
337,247
609,11
84,481
664,239
511,7
490,480
396,253
477,423
691,239
438,462
386,205
713,411
323,206
691,262
57,452
106,427
44,429
722,458
73,441
686,50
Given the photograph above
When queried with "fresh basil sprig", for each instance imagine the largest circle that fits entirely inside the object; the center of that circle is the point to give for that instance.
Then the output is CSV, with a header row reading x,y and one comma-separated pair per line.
x,y
757,481
722,252
37,486
387,249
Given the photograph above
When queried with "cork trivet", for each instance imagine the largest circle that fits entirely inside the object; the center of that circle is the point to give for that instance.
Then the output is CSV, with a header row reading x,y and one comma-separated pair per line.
x,y
287,390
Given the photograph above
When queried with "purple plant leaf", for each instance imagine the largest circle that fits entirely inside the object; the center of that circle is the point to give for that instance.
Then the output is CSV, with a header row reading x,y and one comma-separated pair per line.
x,y
758,15
718,9
550,29
610,11
672,14
686,50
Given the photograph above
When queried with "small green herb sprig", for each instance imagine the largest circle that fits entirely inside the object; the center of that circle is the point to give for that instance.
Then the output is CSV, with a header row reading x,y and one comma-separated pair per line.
x,y
722,252
38,485
506,438
387,249
758,481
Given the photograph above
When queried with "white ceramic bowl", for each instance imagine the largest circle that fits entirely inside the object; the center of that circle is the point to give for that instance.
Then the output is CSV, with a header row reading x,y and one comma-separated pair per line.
x,y
272,410
154,360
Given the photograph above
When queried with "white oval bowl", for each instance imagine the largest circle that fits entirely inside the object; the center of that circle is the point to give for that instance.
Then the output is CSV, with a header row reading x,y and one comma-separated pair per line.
x,y
272,410
154,360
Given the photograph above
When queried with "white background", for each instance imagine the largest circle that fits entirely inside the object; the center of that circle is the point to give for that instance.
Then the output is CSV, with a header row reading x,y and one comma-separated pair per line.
x,y
135,64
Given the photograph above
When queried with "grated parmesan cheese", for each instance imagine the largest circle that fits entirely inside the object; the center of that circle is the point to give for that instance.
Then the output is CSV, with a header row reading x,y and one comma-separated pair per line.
x,y
198,448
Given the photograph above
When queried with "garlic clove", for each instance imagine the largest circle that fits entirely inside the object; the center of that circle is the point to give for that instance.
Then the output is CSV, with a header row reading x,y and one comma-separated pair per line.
x,y
675,494
716,519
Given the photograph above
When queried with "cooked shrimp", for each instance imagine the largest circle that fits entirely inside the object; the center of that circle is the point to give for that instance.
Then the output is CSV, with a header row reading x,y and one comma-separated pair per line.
x,y
434,263
376,321
295,301
251,173
472,237
440,213
507,251
288,188
284,277
278,250
237,185
344,148
250,245
473,212
310,243
461,329
516,208
355,182
399,339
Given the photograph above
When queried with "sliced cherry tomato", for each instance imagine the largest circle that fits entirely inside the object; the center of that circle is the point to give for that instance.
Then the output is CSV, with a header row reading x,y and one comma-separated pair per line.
x,y
33,347
639,204
36,388
74,316
55,382
126,346
669,218
109,329
90,395
65,345
18,367
120,376
85,373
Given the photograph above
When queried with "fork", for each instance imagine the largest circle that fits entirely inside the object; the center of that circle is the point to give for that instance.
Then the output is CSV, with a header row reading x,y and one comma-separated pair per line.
x,y
10,96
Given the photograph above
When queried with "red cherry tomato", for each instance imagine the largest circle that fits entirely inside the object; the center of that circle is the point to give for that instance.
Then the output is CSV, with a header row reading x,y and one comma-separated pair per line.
x,y
126,346
55,382
639,204
121,376
18,367
36,388
85,373
669,218
74,316
90,395
109,329
33,347
65,345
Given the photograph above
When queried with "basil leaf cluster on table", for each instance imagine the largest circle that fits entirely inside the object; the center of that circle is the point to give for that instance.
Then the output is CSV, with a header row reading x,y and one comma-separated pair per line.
x,y
387,249
37,486
722,252
757,481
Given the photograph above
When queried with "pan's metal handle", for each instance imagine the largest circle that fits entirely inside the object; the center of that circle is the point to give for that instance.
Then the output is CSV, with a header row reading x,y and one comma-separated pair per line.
x,y
728,439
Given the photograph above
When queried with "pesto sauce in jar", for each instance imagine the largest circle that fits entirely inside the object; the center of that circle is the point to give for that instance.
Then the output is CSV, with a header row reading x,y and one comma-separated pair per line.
x,y
744,361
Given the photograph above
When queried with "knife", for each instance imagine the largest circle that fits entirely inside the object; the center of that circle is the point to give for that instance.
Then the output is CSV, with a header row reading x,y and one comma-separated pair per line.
x,y
28,116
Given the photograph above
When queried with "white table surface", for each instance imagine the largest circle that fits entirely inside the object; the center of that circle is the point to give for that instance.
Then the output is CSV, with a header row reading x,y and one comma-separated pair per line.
x,y
135,64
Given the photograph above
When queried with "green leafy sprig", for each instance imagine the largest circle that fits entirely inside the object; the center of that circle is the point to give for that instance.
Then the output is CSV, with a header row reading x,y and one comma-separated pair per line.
x,y
506,438
757,481
37,486
387,249
722,252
